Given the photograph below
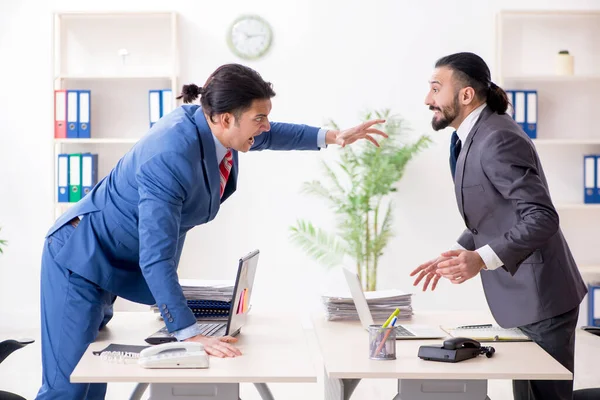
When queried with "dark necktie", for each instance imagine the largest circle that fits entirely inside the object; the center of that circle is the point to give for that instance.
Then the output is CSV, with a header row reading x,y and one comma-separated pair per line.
x,y
454,152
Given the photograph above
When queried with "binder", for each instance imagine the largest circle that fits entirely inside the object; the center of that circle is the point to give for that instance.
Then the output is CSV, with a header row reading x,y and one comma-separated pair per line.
x,y
597,185
72,114
524,110
60,114
154,100
589,179
166,102
89,172
74,178
594,305
84,114
531,112
63,178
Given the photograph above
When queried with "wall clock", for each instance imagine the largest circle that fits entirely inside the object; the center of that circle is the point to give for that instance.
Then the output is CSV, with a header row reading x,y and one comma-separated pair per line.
x,y
249,37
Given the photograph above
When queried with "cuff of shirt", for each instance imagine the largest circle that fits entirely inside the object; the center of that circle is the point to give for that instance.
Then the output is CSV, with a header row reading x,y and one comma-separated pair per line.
x,y
186,333
489,257
457,246
321,138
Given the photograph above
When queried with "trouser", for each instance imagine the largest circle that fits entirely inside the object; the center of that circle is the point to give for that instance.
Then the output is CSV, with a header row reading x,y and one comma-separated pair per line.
x,y
73,310
556,336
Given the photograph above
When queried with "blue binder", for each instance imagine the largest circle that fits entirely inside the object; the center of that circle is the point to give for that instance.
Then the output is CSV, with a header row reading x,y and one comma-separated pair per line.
x,y
63,178
84,114
72,114
89,172
155,106
593,301
590,188
524,110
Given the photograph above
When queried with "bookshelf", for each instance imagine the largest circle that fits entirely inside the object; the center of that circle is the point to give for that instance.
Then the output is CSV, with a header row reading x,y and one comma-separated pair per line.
x,y
527,46
119,65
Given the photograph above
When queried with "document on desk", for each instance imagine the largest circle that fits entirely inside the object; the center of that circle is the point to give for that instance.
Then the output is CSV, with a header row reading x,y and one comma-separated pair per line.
x,y
488,333
340,306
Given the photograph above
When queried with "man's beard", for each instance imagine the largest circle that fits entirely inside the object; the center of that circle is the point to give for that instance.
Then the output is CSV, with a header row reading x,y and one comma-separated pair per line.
x,y
449,114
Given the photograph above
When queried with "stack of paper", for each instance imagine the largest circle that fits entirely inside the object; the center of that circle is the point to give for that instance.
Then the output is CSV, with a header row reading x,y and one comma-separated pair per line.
x,y
195,289
381,304
208,299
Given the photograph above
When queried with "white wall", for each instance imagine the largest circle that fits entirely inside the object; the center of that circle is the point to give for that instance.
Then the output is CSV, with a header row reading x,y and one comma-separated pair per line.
x,y
329,59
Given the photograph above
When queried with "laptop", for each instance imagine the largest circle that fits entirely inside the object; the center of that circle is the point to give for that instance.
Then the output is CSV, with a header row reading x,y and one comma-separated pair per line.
x,y
364,314
238,311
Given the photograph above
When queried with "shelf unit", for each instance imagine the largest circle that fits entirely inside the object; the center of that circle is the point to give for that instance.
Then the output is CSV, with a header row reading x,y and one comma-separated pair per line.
x,y
87,55
526,50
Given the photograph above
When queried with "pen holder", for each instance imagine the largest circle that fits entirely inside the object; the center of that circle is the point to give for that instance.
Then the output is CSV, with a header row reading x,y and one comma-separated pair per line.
x,y
382,343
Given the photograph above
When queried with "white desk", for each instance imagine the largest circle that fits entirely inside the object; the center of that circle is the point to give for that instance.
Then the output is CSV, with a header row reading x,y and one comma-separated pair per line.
x,y
344,347
274,349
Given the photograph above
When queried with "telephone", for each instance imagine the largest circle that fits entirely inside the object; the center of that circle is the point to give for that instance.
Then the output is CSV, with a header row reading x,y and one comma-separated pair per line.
x,y
174,355
455,350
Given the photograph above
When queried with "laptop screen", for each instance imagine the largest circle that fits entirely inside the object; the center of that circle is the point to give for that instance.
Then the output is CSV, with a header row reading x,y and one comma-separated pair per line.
x,y
240,302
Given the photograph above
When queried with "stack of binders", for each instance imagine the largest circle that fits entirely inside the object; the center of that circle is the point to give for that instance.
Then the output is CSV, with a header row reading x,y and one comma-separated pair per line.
x,y
160,103
591,179
524,110
72,114
77,175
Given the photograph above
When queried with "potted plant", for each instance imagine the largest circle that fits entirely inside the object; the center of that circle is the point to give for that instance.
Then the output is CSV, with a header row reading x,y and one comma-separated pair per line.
x,y
359,192
2,244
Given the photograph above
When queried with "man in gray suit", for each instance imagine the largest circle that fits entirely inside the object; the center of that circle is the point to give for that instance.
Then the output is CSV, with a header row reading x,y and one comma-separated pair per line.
x,y
513,239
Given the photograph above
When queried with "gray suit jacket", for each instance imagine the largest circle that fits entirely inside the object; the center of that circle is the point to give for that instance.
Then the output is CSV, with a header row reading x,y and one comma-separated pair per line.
x,y
503,197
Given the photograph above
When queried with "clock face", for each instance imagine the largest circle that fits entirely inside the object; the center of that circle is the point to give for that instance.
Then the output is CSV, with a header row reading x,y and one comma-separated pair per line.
x,y
250,37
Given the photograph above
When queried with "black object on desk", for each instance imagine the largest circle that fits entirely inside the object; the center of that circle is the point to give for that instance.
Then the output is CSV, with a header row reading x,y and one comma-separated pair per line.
x,y
455,350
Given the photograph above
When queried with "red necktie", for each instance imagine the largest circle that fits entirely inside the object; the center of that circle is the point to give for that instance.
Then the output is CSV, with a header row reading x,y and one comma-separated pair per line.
x,y
225,169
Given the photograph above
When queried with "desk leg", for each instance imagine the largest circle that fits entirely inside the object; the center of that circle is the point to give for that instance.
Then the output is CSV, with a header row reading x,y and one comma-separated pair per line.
x,y
339,389
188,391
442,389
264,391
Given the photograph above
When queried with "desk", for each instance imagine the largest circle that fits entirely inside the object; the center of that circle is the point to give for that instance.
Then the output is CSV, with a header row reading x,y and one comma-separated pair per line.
x,y
344,347
274,349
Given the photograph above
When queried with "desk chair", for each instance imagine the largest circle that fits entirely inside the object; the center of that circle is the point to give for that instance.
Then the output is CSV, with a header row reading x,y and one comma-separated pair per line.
x,y
6,348
262,388
588,394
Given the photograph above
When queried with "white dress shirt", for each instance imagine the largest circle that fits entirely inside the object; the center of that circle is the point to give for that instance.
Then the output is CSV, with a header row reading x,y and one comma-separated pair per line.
x,y
489,257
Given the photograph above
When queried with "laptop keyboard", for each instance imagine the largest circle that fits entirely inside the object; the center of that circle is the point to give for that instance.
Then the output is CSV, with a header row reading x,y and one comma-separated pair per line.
x,y
402,332
205,329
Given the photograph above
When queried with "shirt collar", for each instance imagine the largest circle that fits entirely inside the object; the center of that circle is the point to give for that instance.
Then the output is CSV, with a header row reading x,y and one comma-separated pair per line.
x,y
220,150
466,126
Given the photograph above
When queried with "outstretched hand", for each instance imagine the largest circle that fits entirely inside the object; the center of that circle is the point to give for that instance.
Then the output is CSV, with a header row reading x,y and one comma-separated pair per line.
x,y
351,135
428,270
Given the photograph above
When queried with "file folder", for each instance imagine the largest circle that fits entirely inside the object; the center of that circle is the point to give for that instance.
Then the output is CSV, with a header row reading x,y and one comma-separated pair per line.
x,y
63,178
84,114
89,172
74,178
589,179
154,100
166,102
72,114
60,114
593,305
511,103
531,111
520,108
597,186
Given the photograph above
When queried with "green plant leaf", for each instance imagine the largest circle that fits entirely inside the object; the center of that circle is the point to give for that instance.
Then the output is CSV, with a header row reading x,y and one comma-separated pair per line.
x,y
317,243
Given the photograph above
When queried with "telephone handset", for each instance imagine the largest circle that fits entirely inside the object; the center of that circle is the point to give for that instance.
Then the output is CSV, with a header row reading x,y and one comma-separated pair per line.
x,y
174,355
455,350
461,342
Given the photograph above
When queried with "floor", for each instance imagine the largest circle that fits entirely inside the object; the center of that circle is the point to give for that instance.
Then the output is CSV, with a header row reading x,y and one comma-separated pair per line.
x,y
21,373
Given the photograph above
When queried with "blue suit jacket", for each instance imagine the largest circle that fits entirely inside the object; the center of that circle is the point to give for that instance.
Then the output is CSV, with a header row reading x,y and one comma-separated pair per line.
x,y
134,223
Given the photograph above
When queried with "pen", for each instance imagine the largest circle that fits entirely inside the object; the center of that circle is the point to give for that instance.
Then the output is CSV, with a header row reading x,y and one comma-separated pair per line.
x,y
475,326
394,314
387,334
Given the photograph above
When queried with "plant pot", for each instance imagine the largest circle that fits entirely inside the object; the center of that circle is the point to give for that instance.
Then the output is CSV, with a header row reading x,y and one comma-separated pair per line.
x,y
564,64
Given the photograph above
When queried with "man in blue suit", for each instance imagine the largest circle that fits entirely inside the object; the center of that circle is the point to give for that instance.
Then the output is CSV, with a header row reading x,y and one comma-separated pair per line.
x,y
126,236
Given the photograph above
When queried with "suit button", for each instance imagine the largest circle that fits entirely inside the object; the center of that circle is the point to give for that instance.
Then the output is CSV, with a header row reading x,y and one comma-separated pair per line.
x,y
474,231
170,319
164,306
168,315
